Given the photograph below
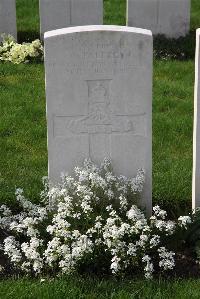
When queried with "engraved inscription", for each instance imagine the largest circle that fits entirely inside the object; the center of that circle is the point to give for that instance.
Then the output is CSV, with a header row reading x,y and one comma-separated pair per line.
x,y
103,56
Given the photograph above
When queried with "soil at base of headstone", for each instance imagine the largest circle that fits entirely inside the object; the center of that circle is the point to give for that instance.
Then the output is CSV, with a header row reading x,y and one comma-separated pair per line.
x,y
186,267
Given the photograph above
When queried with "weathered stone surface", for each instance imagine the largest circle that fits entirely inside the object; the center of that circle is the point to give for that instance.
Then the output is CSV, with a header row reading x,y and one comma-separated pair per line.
x,y
57,14
99,99
196,134
8,18
168,17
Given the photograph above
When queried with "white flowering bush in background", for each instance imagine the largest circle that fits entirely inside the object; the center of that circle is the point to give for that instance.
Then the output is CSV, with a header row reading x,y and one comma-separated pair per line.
x,y
11,51
90,221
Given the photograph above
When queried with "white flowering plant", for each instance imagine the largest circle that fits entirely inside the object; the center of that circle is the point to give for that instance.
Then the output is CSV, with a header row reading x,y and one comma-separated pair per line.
x,y
89,221
11,51
192,235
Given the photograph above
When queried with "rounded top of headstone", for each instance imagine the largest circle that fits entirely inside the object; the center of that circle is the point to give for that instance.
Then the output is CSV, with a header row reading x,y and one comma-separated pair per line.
x,y
91,28
198,31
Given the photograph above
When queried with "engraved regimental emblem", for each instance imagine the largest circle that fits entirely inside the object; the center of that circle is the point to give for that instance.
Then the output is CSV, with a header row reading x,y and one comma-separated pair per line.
x,y
100,117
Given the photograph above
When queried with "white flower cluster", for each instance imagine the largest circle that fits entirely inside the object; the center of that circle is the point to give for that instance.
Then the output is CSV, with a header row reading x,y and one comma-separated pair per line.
x,y
85,218
16,53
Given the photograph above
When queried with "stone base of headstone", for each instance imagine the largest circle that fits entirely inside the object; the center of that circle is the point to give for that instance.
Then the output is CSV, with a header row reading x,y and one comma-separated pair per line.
x,y
168,17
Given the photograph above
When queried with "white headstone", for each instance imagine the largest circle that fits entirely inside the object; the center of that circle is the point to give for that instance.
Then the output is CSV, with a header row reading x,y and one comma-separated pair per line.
x,y
8,18
196,133
168,17
57,14
99,99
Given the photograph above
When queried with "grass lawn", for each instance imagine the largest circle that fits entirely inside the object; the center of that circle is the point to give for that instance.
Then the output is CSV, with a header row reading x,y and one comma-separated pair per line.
x,y
23,148
90,289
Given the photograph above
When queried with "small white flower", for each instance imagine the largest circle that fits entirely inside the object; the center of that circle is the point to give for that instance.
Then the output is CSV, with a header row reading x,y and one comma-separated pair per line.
x,y
42,280
184,221
115,266
154,241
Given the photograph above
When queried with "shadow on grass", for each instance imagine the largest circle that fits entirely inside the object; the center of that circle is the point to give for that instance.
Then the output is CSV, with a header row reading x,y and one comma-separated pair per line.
x,y
174,207
182,48
27,36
